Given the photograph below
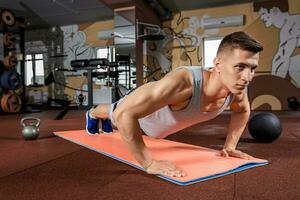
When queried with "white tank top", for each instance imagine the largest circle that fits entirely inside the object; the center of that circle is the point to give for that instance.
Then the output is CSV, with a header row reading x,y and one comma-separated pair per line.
x,y
164,121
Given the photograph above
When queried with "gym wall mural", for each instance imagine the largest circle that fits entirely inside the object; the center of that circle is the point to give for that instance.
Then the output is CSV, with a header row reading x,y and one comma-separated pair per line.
x,y
276,86
185,39
277,80
75,46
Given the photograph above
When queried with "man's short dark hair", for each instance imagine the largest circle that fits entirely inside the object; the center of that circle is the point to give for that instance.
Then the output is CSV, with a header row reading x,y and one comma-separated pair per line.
x,y
240,40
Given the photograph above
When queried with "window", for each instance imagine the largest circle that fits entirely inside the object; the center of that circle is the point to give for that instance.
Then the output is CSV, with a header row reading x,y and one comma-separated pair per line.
x,y
34,69
107,52
210,50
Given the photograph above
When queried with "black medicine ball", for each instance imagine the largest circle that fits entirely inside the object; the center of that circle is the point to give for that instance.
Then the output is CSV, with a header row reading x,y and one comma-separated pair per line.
x,y
264,127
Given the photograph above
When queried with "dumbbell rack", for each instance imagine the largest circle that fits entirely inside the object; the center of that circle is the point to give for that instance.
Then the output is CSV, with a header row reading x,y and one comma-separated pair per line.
x,y
12,48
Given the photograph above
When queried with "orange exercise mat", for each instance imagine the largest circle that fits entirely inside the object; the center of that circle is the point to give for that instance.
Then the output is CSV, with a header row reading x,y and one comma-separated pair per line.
x,y
200,163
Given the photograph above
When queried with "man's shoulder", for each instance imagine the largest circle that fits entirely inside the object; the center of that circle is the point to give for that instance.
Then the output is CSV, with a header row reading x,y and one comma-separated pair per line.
x,y
182,75
188,68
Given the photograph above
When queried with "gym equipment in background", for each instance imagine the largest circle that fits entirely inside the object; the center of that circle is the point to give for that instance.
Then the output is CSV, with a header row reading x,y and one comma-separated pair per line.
x,y
293,103
80,99
265,127
10,80
66,107
30,126
10,39
84,64
7,18
10,62
11,102
148,31
12,65
89,65
199,163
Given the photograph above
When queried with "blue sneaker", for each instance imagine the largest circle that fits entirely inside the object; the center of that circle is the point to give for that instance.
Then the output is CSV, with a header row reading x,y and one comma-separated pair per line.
x,y
106,126
92,124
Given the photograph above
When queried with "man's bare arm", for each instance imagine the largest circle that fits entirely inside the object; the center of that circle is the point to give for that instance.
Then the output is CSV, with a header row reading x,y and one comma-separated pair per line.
x,y
281,60
239,118
141,102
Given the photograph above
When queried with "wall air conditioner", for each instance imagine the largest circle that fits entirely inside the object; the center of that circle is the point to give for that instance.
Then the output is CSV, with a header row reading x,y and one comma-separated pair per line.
x,y
121,35
106,34
236,20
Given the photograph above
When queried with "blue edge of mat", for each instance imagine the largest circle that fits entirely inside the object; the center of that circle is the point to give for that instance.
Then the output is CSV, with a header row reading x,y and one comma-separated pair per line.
x,y
238,169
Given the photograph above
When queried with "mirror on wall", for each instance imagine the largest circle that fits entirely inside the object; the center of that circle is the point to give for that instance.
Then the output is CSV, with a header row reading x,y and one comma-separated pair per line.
x,y
71,32
57,32
124,42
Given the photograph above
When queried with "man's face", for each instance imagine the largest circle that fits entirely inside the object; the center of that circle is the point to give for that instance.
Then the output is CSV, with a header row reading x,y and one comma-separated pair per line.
x,y
236,69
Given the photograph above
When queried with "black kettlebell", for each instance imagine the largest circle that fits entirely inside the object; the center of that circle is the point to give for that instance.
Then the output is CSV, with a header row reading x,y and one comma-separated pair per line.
x,y
293,103
30,127
81,98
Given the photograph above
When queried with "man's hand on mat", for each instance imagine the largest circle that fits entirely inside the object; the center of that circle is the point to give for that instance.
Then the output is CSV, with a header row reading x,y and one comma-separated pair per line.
x,y
235,153
166,168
